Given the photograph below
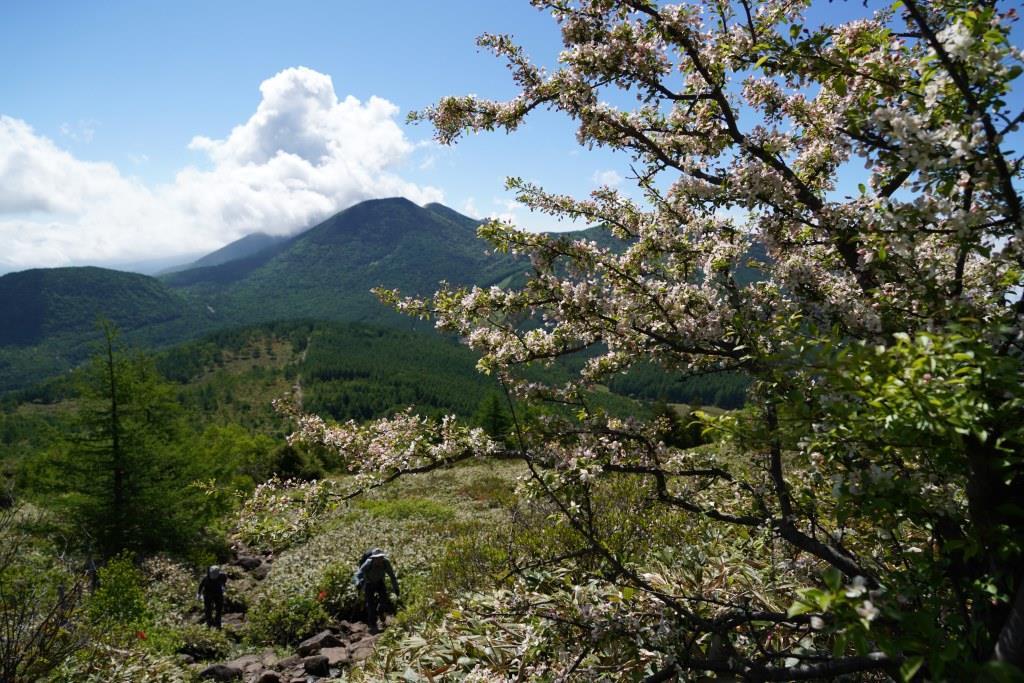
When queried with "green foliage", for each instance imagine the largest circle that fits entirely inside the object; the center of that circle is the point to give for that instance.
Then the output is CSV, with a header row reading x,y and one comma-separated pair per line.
x,y
406,508
647,381
327,271
680,431
41,621
288,621
493,417
359,372
120,599
196,640
126,476
108,664
48,317
338,593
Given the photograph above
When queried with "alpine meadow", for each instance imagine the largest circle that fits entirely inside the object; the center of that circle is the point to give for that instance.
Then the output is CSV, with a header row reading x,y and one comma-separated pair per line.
x,y
748,408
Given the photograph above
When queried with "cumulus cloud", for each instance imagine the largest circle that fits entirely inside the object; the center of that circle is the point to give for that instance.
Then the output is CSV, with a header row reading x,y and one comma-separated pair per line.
x,y
609,178
302,156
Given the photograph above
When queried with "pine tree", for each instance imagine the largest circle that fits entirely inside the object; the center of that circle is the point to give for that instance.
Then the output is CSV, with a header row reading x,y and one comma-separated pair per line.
x,y
126,475
491,416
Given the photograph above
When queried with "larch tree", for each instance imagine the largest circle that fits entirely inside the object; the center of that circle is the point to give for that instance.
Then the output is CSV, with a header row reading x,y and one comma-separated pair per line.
x,y
125,474
862,515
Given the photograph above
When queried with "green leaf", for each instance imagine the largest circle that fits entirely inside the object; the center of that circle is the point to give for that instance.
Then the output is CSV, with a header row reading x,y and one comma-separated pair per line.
x,y
799,607
910,667
832,578
761,61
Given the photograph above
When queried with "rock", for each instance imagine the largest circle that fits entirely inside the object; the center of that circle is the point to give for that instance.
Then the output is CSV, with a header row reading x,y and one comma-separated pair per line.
x,y
232,619
269,677
317,642
317,665
361,651
270,659
260,572
247,662
221,672
289,662
248,563
186,658
336,655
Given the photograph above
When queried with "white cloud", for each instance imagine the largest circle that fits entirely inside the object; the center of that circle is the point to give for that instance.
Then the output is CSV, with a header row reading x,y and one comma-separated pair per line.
x,y
470,209
520,215
302,156
83,131
609,178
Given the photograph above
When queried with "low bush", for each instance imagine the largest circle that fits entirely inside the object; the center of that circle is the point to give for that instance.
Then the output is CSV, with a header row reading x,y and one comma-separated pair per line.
x,y
287,621
338,592
201,642
120,599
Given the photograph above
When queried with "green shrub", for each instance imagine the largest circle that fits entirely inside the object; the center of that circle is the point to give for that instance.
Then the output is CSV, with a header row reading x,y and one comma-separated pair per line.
x,y
120,598
201,642
338,592
288,621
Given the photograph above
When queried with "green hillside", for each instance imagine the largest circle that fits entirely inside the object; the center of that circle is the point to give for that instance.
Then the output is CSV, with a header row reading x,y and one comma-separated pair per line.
x,y
48,317
327,272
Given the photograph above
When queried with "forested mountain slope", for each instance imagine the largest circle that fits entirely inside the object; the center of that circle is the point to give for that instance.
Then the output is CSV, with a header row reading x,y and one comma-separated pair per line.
x,y
327,272
48,317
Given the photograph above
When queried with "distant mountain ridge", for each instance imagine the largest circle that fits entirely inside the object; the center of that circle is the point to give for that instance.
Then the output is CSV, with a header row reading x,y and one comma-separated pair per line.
x,y
41,303
327,271
48,316
241,248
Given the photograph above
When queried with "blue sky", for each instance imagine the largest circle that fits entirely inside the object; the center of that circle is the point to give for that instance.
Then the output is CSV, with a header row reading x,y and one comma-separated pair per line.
x,y
130,86
139,131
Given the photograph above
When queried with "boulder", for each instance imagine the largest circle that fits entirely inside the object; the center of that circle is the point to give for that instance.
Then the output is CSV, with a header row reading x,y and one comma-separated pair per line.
x,y
317,665
247,663
221,672
260,572
269,677
336,655
318,642
361,650
288,662
248,562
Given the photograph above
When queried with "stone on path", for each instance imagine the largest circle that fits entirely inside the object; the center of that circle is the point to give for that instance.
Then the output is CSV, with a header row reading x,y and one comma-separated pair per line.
x,y
317,642
269,677
317,665
221,672
247,663
248,563
335,655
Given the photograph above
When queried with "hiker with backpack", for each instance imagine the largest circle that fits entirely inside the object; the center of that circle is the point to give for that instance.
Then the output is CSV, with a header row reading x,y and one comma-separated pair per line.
x,y
374,565
211,590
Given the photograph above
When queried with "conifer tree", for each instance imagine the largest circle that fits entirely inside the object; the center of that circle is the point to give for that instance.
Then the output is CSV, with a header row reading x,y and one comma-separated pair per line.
x,y
126,475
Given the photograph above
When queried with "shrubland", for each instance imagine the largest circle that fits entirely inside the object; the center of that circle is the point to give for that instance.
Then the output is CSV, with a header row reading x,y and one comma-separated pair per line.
x,y
858,518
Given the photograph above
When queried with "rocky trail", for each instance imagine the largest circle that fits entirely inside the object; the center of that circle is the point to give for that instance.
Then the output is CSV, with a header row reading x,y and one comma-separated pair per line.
x,y
323,655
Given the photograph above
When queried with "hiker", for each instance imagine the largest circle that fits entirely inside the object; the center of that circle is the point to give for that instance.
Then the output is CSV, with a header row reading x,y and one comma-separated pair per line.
x,y
211,590
373,566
